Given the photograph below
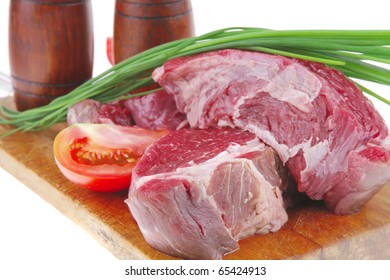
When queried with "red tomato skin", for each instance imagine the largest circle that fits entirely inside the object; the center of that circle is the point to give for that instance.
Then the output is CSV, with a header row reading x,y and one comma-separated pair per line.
x,y
103,184
110,50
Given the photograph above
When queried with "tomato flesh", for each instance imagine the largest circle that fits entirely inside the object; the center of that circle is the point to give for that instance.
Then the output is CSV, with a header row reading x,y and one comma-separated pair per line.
x,y
83,151
100,157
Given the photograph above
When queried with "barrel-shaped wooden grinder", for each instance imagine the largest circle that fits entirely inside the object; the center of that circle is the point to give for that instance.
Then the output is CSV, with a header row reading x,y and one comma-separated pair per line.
x,y
142,24
51,49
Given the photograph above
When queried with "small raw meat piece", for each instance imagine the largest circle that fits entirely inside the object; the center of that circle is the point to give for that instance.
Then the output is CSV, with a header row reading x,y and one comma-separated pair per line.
x,y
335,144
90,111
84,112
196,193
156,111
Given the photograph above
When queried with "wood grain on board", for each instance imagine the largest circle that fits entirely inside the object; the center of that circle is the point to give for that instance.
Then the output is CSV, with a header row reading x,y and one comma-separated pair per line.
x,y
312,232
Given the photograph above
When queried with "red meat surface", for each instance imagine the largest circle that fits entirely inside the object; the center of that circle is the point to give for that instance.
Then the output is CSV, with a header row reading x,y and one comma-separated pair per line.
x,y
333,141
196,193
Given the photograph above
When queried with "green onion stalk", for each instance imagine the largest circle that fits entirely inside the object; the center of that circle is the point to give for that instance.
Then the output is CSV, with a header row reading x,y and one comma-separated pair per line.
x,y
359,54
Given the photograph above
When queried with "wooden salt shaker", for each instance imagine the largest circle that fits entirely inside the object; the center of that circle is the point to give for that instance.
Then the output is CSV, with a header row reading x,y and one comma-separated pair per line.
x,y
51,48
142,24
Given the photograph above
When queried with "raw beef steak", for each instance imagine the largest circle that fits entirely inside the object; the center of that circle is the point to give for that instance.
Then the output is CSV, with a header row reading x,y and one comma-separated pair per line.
x,y
195,193
335,144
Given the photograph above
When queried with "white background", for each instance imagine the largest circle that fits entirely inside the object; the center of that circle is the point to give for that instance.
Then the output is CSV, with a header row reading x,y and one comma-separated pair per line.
x,y
35,237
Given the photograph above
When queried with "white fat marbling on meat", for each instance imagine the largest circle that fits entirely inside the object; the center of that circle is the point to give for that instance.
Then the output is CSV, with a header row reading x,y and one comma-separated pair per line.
x,y
285,152
158,73
265,135
315,154
379,175
224,123
255,223
386,142
296,86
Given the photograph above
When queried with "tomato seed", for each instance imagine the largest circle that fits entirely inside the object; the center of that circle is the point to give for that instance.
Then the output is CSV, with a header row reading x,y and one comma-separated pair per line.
x,y
80,152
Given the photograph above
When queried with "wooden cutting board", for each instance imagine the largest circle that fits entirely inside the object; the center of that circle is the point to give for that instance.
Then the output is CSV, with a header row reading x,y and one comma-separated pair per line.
x,y
311,232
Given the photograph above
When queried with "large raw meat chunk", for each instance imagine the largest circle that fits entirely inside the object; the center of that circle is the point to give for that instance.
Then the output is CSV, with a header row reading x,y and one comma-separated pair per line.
x,y
195,193
335,144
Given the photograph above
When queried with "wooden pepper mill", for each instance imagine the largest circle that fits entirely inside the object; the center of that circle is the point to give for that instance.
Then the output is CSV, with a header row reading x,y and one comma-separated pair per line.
x,y
142,24
51,48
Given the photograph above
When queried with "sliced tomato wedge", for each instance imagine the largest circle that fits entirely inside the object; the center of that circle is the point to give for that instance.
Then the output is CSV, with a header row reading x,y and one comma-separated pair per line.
x,y
100,157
